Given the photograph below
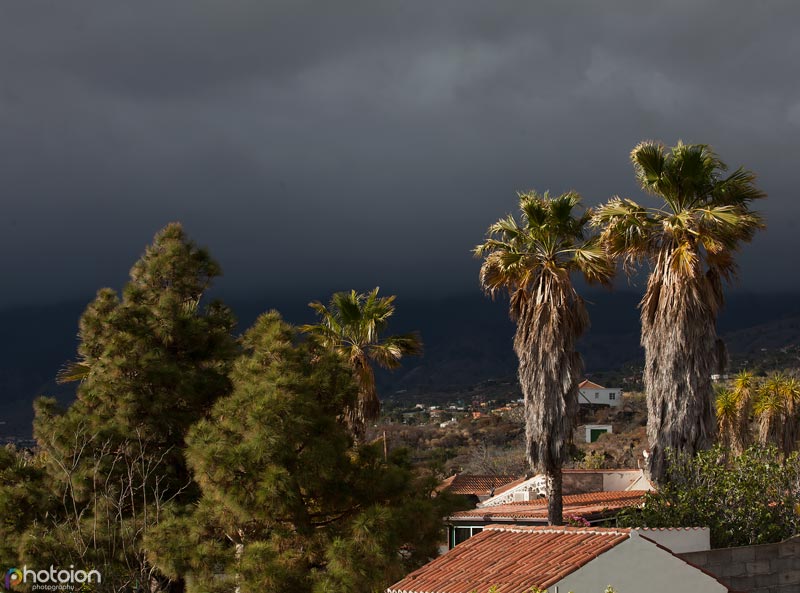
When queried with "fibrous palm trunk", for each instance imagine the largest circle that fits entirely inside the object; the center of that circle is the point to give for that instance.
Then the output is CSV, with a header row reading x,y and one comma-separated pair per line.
x,y
549,373
681,353
367,406
555,503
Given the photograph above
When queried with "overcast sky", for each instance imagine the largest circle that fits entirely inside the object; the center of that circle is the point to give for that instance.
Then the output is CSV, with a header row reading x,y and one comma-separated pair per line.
x,y
317,146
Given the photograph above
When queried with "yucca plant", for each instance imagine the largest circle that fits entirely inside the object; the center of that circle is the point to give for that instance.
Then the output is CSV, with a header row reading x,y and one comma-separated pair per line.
x,y
734,407
776,409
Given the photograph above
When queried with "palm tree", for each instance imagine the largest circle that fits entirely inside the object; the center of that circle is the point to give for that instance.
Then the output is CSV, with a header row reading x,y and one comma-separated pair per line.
x,y
775,407
689,242
533,260
352,325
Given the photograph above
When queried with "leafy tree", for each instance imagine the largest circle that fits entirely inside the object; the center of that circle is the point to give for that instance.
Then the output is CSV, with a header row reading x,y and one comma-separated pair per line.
x,y
351,325
288,503
689,242
533,260
151,363
746,499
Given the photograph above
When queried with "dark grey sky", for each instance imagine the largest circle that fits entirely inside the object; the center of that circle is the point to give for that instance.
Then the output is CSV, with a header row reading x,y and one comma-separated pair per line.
x,y
315,146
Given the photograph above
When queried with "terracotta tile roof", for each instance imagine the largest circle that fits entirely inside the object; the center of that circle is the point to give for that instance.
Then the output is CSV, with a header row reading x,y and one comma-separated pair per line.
x,y
586,384
513,558
587,505
500,489
624,470
475,484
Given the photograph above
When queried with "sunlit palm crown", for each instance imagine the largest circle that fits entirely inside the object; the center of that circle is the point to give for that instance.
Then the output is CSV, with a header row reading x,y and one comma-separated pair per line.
x,y
548,241
704,216
353,323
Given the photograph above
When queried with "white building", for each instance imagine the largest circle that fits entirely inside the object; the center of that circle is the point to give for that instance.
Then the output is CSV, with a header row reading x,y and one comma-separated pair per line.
x,y
593,394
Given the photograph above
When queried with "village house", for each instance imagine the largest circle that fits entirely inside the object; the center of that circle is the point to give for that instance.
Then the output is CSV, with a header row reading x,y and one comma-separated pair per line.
x,y
562,559
591,496
590,393
478,487
591,508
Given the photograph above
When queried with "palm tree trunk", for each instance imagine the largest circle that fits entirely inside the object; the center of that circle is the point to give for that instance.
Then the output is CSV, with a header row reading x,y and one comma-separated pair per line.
x,y
680,343
555,506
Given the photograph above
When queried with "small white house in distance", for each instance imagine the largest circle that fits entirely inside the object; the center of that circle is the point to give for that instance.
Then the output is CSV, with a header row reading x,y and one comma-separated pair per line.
x,y
593,394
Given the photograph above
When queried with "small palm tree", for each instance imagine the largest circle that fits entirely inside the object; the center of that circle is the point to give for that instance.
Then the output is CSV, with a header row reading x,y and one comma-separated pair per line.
x,y
351,325
533,260
689,242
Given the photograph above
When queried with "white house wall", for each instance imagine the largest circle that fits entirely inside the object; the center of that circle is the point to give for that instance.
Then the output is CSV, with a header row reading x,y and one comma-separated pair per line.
x,y
680,540
638,566
620,480
587,396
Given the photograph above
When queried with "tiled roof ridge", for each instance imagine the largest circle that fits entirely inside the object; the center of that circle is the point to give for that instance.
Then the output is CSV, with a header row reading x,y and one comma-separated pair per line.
x,y
576,470
561,529
687,528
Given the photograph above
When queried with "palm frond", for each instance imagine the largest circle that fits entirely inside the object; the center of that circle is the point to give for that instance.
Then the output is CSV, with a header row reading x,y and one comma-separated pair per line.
x,y
72,371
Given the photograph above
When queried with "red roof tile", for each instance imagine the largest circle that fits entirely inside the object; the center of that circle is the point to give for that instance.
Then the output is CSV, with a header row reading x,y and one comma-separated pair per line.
x,y
513,558
583,505
477,485
586,384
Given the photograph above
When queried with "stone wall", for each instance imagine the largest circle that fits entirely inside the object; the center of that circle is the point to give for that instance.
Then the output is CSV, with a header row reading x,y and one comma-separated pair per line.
x,y
769,568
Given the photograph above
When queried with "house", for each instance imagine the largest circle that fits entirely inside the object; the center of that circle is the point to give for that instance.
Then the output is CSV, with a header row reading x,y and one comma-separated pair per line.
x,y
593,507
590,393
560,559
477,486
574,481
592,495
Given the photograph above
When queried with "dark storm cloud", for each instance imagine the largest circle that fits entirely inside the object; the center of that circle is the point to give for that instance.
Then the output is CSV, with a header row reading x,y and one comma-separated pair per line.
x,y
315,146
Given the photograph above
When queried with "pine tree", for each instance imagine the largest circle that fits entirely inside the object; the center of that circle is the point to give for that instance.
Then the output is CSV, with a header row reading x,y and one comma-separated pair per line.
x,y
150,364
289,503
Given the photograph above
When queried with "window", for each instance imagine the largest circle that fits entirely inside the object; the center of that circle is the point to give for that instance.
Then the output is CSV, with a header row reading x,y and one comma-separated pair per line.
x,y
461,534
612,396
596,395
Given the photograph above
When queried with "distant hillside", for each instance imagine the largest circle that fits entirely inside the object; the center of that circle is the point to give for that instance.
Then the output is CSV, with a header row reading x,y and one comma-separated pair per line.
x,y
467,340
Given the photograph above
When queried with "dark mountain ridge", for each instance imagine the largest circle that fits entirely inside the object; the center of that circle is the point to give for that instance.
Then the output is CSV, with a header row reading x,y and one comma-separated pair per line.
x,y
468,339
